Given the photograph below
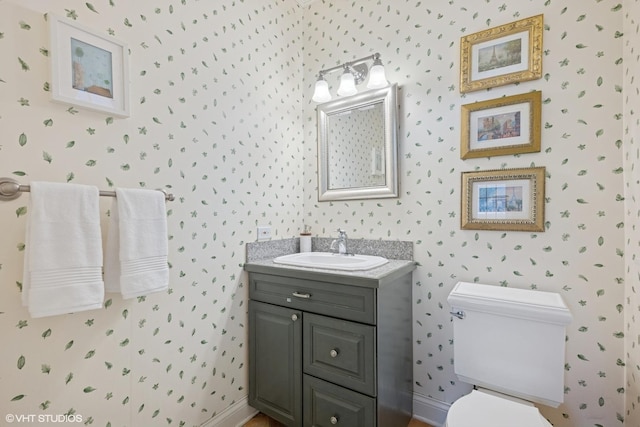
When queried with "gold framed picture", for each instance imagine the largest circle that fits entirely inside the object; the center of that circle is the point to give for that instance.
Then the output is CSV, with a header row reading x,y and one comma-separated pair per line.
x,y
505,199
502,126
502,55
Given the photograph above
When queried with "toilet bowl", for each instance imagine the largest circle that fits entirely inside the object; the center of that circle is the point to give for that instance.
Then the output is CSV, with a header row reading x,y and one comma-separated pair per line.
x,y
482,408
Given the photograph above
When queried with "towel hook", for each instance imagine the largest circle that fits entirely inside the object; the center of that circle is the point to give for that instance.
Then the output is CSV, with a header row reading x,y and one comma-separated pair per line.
x,y
9,189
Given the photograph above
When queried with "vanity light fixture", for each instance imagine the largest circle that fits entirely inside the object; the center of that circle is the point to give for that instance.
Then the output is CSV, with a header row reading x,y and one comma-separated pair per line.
x,y
354,73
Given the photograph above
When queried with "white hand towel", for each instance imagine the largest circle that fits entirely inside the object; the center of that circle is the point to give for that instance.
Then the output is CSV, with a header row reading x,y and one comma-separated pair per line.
x,y
136,259
63,254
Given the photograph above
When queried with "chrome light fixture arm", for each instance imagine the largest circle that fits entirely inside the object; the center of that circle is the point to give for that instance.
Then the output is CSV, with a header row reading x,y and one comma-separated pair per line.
x,y
354,73
358,67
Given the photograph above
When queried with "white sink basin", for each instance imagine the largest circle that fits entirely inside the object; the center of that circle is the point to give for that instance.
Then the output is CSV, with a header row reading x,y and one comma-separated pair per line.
x,y
332,261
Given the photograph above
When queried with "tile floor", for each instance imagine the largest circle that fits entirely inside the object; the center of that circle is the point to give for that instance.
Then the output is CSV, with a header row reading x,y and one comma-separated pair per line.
x,y
262,420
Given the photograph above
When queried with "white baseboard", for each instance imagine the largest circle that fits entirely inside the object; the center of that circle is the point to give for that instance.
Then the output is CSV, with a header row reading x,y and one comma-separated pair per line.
x,y
235,415
426,409
429,410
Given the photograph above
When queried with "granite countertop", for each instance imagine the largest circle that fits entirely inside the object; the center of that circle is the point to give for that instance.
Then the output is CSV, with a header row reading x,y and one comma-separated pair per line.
x,y
373,277
260,256
374,273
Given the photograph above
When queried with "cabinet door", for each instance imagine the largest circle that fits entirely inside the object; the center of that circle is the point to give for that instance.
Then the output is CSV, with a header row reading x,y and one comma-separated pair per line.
x,y
275,359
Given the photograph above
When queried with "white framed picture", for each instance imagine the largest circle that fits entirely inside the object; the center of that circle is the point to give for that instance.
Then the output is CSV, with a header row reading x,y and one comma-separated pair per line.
x,y
88,70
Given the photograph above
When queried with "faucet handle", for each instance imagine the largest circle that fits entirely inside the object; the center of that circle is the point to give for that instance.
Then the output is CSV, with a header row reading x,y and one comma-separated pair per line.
x,y
342,233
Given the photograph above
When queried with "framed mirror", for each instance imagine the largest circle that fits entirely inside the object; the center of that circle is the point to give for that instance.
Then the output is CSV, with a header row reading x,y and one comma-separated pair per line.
x,y
357,146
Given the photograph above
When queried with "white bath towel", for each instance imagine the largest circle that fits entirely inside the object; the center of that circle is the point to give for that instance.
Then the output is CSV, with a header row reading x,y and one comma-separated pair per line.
x,y
136,258
63,254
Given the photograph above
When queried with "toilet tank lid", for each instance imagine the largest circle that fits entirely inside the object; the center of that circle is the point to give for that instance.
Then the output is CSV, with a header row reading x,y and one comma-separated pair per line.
x,y
513,302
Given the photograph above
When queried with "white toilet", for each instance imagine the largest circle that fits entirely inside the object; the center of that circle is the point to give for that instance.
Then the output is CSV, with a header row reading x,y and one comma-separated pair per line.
x,y
510,344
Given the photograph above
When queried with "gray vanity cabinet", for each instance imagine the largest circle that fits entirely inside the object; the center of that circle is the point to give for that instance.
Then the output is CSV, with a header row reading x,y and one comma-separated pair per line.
x,y
329,349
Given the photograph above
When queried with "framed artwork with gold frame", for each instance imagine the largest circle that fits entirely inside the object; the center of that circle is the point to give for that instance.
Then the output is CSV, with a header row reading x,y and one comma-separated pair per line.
x,y
498,56
505,199
502,126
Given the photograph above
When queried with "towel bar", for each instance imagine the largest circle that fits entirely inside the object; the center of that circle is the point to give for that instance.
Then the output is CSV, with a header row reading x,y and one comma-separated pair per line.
x,y
10,189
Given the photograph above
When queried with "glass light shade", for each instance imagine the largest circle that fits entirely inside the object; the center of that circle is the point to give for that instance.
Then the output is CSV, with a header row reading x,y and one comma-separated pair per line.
x,y
377,78
347,85
321,92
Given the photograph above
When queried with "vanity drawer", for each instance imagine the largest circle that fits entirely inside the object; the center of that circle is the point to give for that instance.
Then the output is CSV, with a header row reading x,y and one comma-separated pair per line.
x,y
336,300
328,405
340,351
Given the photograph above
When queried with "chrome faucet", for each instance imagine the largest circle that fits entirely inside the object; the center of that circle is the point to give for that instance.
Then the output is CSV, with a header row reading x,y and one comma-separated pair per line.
x,y
341,241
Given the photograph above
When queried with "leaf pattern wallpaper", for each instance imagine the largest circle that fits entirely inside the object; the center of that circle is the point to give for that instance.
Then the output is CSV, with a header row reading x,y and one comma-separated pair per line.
x,y
631,153
215,100
581,254
222,117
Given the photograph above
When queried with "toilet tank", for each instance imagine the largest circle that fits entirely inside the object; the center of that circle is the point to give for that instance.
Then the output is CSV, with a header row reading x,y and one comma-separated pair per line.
x,y
510,340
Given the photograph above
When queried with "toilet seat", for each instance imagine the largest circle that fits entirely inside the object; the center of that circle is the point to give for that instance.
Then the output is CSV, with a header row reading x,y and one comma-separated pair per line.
x,y
481,409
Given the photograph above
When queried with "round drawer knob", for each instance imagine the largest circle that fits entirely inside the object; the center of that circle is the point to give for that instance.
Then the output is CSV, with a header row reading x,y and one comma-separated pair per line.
x,y
333,353
294,317
334,420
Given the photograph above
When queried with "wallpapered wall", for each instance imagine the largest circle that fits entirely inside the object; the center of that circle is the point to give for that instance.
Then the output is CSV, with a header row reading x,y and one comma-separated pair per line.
x,y
215,92
632,212
222,117
581,253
